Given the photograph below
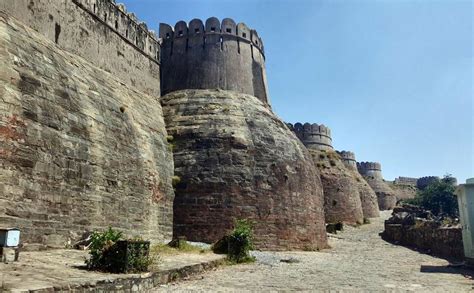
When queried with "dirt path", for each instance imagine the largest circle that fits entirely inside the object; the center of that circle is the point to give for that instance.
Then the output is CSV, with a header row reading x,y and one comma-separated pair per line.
x,y
359,261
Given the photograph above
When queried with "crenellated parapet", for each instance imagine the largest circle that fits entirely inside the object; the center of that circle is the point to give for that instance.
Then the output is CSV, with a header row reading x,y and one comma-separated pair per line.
x,y
116,17
348,158
213,55
316,136
408,181
371,169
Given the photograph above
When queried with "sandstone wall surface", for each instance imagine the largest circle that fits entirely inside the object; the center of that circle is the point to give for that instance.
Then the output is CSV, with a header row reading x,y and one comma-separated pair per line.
x,y
386,196
368,198
427,236
403,191
236,159
79,150
342,202
97,31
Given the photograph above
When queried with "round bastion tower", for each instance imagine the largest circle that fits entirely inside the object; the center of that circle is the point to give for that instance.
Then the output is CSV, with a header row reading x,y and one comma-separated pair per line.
x,y
213,55
372,169
313,136
348,158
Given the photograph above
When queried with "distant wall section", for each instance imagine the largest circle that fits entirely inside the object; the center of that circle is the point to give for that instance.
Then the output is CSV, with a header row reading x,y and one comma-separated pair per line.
x,y
100,31
213,55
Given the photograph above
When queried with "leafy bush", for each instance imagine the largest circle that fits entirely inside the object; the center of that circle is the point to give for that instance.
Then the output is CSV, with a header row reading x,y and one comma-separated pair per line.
x,y
238,243
438,197
110,253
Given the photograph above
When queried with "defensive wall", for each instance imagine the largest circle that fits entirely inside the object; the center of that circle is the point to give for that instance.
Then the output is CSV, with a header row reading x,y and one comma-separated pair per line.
x,y
313,136
213,55
100,31
348,158
405,181
371,169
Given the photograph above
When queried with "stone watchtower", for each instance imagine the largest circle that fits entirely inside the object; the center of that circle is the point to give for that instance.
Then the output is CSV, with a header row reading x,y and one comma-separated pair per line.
x,y
313,136
348,158
372,169
213,55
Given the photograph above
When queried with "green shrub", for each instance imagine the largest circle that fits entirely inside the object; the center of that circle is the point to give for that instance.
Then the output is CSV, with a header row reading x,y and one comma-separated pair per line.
x,y
110,253
238,243
438,197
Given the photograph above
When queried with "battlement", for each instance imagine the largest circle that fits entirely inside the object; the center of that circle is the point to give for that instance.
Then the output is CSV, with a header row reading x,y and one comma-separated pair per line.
x,y
348,158
372,169
316,136
405,181
213,55
99,31
125,24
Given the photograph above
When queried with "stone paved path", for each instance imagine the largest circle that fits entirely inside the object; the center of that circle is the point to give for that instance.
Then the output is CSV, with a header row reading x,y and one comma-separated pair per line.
x,y
359,261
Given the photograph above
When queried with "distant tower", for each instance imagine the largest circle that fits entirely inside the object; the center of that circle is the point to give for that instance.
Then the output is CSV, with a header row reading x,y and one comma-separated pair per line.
x,y
348,158
371,169
213,55
313,136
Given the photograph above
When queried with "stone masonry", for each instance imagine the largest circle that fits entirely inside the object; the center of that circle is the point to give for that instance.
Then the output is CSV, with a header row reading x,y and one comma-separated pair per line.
x,y
236,159
342,201
372,173
79,148
368,197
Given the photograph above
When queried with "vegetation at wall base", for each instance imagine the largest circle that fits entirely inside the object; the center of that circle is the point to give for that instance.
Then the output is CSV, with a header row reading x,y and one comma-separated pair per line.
x,y
439,197
110,253
237,244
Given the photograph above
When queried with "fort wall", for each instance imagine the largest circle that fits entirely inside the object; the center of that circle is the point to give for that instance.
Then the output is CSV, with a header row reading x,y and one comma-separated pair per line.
x,y
101,32
348,158
213,55
405,181
313,136
370,169
79,150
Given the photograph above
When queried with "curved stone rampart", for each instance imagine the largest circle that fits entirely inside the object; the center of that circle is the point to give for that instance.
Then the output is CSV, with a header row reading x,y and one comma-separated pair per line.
x,y
372,169
237,160
313,136
213,55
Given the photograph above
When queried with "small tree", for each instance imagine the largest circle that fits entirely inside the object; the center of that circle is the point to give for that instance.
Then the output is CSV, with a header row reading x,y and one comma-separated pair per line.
x,y
439,197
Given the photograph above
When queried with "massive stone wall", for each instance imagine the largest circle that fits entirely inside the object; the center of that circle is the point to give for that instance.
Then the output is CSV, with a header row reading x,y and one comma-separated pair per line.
x,y
213,55
342,202
368,197
314,136
79,150
99,31
372,173
236,159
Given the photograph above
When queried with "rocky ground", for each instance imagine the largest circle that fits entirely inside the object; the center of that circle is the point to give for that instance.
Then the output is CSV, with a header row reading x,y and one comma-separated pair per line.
x,y
359,261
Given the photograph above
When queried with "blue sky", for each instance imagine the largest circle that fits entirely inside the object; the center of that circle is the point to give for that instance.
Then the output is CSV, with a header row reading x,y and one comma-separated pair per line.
x,y
392,79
